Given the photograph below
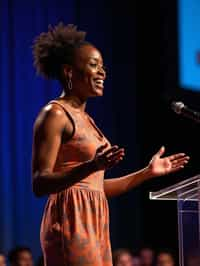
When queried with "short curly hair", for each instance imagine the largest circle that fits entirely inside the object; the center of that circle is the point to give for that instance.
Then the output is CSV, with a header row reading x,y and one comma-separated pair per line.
x,y
56,47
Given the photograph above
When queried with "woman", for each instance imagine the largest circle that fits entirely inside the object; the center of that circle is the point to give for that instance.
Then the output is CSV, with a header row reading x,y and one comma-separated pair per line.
x,y
70,154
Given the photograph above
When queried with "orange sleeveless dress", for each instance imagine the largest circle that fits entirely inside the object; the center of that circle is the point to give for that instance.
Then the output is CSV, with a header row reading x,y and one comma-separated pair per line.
x,y
75,224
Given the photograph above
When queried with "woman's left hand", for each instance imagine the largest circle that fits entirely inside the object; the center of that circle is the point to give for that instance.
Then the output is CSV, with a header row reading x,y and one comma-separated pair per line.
x,y
162,166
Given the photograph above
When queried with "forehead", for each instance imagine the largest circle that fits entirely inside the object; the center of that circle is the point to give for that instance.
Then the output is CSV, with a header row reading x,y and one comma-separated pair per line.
x,y
88,52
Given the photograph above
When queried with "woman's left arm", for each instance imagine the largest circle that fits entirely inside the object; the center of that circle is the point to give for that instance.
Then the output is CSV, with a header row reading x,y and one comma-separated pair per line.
x,y
157,167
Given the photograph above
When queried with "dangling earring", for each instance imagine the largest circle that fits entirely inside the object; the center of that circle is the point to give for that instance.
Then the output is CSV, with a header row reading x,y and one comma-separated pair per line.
x,y
69,84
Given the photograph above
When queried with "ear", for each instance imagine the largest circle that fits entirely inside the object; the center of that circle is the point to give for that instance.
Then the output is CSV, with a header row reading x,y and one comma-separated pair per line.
x,y
67,71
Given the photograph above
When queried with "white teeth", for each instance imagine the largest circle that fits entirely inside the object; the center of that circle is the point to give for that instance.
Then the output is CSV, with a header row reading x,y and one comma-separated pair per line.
x,y
99,81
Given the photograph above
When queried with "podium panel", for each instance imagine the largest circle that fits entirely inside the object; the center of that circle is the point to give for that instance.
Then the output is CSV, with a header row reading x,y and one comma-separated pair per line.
x,y
187,195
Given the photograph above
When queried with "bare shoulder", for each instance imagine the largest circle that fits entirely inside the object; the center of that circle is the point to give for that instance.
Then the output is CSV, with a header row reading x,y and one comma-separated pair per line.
x,y
50,115
53,121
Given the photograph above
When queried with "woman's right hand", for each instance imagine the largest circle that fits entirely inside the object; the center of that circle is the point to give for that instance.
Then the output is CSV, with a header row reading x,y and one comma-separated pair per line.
x,y
106,158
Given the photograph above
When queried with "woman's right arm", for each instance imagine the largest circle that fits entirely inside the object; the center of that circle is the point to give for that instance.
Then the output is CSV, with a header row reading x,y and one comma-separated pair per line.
x,y
48,130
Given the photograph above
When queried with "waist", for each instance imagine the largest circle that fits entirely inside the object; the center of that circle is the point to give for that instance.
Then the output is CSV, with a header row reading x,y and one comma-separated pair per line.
x,y
94,181
88,186
78,190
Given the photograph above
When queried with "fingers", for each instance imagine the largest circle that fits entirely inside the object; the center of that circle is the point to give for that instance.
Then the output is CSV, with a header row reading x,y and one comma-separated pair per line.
x,y
180,163
102,148
181,160
177,156
161,151
116,158
111,150
117,155
108,158
114,152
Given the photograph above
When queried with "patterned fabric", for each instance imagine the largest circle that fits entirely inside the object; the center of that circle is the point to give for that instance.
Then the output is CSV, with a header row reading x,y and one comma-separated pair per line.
x,y
75,224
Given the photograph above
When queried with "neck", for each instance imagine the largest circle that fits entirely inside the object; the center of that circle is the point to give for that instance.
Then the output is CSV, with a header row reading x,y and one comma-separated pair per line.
x,y
74,101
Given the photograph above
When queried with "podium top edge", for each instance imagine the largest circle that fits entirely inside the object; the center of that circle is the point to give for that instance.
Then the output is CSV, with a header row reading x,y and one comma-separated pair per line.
x,y
174,188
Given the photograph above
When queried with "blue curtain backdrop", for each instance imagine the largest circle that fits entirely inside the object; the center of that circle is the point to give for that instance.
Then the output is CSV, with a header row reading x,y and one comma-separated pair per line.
x,y
22,94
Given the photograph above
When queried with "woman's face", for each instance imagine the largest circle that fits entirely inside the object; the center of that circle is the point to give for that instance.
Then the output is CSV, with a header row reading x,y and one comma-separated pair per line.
x,y
88,74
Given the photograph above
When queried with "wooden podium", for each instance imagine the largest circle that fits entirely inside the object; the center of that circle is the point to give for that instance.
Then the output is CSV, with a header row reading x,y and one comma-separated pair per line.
x,y
187,195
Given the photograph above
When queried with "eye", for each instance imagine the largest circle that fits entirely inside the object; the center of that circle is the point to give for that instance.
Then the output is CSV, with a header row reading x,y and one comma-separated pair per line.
x,y
98,66
94,65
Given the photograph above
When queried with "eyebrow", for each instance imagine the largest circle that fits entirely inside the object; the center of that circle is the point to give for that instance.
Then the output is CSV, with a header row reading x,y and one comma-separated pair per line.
x,y
96,59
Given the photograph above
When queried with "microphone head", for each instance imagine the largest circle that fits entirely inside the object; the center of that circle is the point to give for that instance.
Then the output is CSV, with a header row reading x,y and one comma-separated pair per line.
x,y
177,107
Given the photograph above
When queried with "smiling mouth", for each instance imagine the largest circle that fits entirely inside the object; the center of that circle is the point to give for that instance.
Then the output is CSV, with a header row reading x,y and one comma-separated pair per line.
x,y
99,82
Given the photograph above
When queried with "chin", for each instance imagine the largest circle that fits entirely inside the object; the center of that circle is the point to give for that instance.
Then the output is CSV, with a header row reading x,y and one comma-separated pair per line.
x,y
100,93
97,92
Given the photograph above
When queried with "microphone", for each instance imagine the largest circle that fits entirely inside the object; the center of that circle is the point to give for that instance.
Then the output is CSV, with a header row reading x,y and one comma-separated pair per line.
x,y
181,109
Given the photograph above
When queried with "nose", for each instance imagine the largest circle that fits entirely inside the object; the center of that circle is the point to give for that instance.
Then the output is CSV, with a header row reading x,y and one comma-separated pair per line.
x,y
102,71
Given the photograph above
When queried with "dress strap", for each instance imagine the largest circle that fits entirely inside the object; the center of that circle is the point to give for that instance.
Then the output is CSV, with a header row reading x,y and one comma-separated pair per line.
x,y
67,114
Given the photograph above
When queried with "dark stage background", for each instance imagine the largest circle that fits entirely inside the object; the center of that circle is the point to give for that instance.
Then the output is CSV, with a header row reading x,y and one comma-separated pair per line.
x,y
138,40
